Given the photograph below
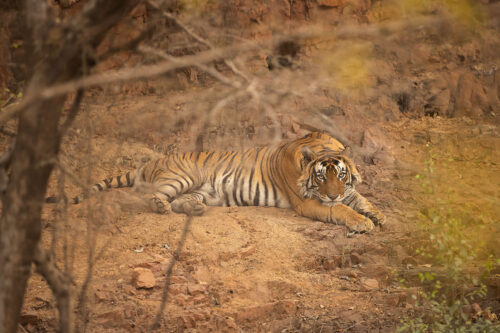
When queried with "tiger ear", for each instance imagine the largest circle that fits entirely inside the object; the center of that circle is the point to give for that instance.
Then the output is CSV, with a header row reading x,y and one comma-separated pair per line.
x,y
308,155
347,151
356,177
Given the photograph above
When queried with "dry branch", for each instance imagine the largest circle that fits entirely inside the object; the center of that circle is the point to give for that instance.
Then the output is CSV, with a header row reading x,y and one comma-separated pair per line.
x,y
180,245
60,285
143,72
209,70
201,40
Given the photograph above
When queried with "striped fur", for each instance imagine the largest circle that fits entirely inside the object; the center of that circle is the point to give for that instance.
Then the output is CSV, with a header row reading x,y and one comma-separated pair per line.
x,y
309,175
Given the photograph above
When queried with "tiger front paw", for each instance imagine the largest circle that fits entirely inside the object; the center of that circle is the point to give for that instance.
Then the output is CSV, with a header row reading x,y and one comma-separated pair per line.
x,y
361,224
194,208
160,205
189,206
377,217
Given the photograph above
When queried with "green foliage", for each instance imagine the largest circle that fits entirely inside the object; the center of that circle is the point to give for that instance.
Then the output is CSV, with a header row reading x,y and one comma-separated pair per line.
x,y
451,285
443,306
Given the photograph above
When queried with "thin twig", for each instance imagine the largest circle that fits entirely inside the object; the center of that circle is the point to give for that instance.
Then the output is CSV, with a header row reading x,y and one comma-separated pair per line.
x,y
201,40
143,72
217,75
73,111
156,322
60,285
127,74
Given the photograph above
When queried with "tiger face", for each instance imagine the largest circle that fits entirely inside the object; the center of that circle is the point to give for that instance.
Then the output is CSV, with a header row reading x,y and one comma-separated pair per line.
x,y
329,178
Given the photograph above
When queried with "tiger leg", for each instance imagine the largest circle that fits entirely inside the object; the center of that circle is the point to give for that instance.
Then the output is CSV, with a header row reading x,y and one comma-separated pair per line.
x,y
189,204
339,214
361,205
158,202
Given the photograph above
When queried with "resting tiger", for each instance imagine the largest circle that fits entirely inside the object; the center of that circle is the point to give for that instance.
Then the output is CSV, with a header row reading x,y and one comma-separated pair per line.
x,y
309,175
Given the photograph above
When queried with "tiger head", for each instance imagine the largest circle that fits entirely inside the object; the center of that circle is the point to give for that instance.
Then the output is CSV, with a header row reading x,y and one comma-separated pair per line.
x,y
327,177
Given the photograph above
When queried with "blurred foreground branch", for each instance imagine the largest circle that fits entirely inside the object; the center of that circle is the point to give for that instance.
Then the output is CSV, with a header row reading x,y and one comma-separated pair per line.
x,y
149,71
60,285
180,245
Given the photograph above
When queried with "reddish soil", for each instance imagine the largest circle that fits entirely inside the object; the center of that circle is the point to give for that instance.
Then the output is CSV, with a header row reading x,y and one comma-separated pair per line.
x,y
424,134
260,268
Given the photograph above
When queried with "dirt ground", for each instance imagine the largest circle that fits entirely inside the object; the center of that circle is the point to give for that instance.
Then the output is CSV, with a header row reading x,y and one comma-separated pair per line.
x,y
424,134
260,268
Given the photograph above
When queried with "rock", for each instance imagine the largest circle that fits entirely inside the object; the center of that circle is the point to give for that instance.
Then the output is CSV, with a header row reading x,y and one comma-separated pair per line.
x,y
178,279
191,319
377,146
409,261
176,289
99,296
420,53
111,318
28,318
471,98
330,264
143,278
355,258
225,256
248,251
360,5
182,300
228,324
369,284
200,299
394,300
196,289
437,100
259,312
331,3
187,321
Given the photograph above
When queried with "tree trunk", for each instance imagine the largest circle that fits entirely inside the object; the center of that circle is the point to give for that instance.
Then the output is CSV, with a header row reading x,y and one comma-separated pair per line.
x,y
37,143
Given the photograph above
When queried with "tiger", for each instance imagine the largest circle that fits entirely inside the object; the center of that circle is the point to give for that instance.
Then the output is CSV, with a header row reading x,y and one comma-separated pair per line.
x,y
312,175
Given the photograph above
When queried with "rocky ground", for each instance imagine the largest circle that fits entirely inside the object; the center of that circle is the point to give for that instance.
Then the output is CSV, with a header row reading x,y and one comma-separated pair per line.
x,y
423,132
263,269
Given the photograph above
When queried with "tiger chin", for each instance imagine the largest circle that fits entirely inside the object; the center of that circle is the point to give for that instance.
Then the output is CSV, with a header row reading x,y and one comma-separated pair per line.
x,y
310,175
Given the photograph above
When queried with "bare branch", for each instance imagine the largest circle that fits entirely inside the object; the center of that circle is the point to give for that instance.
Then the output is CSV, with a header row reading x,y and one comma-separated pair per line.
x,y
73,111
59,283
113,76
156,322
143,72
201,40
209,70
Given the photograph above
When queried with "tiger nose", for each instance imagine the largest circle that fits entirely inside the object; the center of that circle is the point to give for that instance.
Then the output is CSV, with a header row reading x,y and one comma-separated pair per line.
x,y
334,196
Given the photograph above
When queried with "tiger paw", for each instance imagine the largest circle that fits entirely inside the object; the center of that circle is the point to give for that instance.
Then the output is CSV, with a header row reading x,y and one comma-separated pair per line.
x,y
160,205
194,208
360,225
377,217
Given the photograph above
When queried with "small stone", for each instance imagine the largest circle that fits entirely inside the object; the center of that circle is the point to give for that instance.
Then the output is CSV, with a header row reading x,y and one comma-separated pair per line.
x,y
178,279
200,299
352,274
187,321
225,256
176,289
99,296
196,289
111,318
29,318
182,299
331,3
369,284
355,258
143,278
393,300
248,251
